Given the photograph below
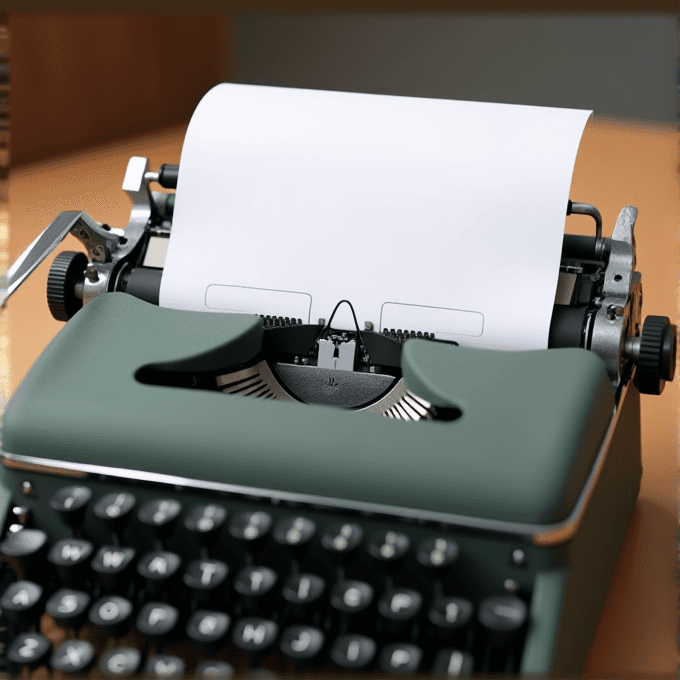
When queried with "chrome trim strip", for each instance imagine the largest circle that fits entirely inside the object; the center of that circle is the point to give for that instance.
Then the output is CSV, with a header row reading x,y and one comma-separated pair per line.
x,y
542,535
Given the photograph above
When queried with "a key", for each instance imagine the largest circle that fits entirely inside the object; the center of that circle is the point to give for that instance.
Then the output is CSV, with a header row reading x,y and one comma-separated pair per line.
x,y
255,585
353,652
69,607
205,579
453,663
29,650
303,644
400,658
112,614
159,570
112,565
164,666
208,629
70,557
157,620
72,656
22,601
121,662
70,503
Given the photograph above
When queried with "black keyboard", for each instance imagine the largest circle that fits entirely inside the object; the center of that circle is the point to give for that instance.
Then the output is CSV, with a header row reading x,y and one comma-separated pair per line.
x,y
163,581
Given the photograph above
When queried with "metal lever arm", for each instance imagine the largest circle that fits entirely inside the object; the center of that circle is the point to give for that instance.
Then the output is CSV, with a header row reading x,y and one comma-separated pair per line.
x,y
83,227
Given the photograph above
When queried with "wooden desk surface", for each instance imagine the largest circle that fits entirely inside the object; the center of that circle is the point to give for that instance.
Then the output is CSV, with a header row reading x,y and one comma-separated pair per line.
x,y
618,164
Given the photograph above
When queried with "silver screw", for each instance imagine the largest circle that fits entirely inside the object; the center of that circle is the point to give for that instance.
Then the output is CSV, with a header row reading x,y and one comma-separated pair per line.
x,y
92,273
511,586
518,557
20,513
27,488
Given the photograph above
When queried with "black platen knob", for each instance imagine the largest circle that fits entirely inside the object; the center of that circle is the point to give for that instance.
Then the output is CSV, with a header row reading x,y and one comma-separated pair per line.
x,y
67,268
656,362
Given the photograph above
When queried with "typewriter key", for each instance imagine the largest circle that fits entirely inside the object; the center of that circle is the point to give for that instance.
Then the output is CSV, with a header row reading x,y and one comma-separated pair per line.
x,y
69,557
437,553
160,515
70,503
111,564
453,663
255,636
159,570
205,521
68,607
120,662
502,616
164,666
26,550
303,592
208,629
73,656
115,510
354,652
30,650
400,659
112,614
214,670
21,602
205,580
301,643
255,585
157,621
398,608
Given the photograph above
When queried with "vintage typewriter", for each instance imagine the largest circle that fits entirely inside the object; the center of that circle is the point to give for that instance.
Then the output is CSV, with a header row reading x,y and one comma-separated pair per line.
x,y
469,522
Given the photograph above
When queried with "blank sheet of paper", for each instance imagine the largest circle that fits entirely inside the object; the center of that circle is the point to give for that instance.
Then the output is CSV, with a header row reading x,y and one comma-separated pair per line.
x,y
429,215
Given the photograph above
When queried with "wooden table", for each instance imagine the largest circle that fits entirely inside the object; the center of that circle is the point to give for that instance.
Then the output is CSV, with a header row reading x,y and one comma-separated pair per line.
x,y
618,164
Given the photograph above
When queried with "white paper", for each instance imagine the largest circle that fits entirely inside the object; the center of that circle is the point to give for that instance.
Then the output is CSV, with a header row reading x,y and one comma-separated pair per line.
x,y
429,215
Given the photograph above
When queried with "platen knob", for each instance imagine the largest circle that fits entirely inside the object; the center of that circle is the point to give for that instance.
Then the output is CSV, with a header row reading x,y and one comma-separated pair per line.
x,y
67,268
656,361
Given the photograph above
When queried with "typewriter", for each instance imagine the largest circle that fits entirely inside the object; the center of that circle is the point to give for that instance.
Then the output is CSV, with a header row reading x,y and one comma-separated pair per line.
x,y
466,520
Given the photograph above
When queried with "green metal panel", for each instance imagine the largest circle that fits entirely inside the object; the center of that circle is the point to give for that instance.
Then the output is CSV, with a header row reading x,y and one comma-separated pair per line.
x,y
532,421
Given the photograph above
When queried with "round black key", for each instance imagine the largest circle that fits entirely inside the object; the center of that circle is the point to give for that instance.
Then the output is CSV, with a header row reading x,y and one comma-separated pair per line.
x,y
158,569
351,596
68,607
29,649
206,521
70,556
157,620
389,546
250,526
73,656
112,614
254,635
22,601
160,515
218,670
302,643
502,616
342,539
111,564
254,581
303,589
26,548
120,662
164,666
450,613
400,604
115,509
208,629
437,553
70,502
205,579
400,658
294,531
353,651
453,663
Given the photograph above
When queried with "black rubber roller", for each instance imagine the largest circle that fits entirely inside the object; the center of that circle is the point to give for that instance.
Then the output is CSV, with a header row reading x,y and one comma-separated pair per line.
x,y
66,270
656,363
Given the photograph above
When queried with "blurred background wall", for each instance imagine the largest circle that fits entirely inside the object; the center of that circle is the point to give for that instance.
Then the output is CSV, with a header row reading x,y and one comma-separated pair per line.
x,y
616,64
84,79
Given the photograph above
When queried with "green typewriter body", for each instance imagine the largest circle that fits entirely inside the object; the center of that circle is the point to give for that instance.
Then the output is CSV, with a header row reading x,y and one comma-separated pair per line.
x,y
531,487
196,494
